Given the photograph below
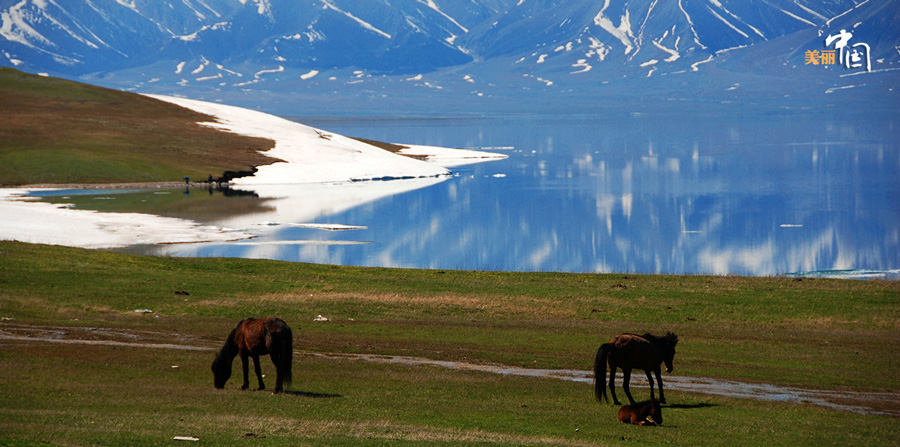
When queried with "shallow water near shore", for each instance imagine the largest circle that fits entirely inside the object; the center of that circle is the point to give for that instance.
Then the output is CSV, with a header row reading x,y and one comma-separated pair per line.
x,y
758,194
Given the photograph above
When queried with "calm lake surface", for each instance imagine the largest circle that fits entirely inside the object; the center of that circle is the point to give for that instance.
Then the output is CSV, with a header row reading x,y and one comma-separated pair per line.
x,y
749,194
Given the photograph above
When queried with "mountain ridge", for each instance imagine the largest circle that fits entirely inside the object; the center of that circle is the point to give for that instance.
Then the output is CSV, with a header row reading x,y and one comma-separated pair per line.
x,y
504,49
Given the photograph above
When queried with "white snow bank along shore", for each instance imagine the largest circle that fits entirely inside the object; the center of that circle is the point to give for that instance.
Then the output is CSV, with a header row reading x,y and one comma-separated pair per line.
x,y
26,220
448,158
314,156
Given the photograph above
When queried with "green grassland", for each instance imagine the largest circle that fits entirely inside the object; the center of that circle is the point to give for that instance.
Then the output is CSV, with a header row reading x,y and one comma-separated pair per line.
x,y
123,385
57,131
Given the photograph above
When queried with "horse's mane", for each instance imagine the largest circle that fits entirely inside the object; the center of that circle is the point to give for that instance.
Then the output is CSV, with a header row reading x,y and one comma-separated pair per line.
x,y
229,349
668,339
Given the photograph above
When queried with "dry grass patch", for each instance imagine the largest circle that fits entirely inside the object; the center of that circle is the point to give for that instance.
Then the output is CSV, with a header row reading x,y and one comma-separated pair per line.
x,y
843,323
443,304
381,430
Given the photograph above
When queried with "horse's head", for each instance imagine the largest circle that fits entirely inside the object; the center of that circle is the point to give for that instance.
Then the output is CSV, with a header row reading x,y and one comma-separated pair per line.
x,y
221,368
670,340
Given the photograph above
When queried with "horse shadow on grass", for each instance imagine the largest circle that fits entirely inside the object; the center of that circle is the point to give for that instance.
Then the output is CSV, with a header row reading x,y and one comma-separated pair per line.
x,y
691,406
311,395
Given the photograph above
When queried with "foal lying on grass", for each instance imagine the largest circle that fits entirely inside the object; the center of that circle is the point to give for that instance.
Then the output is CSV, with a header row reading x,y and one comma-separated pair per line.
x,y
641,413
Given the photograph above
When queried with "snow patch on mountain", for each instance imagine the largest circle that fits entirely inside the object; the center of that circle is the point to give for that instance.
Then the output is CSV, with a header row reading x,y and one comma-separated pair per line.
x,y
15,27
361,22
622,32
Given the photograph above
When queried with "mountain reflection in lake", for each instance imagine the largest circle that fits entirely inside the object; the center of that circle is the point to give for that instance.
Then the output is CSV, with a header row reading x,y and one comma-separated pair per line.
x,y
752,194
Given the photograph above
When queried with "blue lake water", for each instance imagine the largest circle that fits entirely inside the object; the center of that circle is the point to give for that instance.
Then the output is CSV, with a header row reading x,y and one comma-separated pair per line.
x,y
747,194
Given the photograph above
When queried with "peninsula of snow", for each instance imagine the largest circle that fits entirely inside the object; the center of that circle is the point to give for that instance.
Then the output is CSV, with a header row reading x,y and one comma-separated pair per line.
x,y
312,155
308,155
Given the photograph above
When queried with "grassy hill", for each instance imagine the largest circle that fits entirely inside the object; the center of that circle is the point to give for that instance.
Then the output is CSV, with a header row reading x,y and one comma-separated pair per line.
x,y
58,131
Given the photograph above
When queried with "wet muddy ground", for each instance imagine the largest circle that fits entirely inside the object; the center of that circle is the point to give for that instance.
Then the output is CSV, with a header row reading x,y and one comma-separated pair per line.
x,y
868,403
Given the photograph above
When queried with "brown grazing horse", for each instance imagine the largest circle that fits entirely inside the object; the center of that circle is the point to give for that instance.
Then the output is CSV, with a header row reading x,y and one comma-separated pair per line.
x,y
252,338
642,413
628,351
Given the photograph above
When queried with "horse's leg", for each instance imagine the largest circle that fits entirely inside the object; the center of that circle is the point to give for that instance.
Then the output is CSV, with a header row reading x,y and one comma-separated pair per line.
x,y
650,379
279,380
626,373
612,382
662,397
246,368
258,372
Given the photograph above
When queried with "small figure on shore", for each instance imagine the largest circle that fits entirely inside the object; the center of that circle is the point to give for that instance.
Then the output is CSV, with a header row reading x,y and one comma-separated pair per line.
x,y
641,413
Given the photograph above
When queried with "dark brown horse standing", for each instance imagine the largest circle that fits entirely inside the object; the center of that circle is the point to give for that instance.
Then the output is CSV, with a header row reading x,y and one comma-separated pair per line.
x,y
252,338
641,413
628,351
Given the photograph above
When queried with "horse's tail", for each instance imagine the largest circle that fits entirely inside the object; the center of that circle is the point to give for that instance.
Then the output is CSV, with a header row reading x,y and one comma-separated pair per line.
x,y
600,361
285,351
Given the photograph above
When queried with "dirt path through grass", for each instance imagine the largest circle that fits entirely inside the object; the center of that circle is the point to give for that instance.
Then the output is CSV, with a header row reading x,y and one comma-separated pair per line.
x,y
844,401
868,403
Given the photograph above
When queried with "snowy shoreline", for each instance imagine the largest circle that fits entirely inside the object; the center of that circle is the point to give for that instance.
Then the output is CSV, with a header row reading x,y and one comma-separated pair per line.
x,y
313,155
24,219
309,156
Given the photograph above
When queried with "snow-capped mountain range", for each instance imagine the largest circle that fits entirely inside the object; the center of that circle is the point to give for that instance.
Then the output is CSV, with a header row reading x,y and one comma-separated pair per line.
x,y
475,49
